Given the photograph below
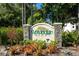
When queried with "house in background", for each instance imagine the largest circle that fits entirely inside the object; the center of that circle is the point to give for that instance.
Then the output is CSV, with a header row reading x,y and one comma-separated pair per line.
x,y
69,27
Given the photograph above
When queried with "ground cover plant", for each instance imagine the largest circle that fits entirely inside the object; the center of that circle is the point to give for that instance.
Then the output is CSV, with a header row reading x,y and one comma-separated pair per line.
x,y
33,47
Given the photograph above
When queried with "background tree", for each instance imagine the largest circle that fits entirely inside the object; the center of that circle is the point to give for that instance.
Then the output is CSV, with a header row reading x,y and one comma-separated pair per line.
x,y
61,12
11,14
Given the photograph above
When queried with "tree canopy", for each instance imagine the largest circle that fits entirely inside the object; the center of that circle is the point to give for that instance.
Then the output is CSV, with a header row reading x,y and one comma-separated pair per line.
x,y
11,13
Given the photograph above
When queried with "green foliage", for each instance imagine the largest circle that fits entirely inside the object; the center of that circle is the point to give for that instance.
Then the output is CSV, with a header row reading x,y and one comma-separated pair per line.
x,y
3,35
27,41
70,38
19,33
54,43
75,37
41,44
29,21
5,39
58,13
61,12
10,14
37,17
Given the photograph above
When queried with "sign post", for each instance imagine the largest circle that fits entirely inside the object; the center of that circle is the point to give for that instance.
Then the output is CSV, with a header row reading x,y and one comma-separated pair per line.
x,y
26,27
24,20
58,33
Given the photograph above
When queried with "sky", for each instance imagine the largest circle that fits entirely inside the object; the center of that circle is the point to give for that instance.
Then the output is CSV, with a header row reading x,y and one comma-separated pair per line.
x,y
39,5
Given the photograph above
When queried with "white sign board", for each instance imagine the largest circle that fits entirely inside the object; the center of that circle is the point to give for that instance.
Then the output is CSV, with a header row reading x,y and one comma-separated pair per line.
x,y
43,31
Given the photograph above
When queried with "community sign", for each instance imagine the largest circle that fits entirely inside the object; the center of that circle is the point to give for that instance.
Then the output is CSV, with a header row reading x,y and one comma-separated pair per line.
x,y
43,31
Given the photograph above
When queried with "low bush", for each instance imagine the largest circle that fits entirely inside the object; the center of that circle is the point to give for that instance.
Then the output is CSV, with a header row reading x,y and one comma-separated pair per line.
x,y
11,34
70,38
53,43
41,44
26,42
3,35
34,47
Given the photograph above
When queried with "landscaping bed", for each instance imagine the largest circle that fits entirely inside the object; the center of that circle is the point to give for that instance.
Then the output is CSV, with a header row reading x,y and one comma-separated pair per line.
x,y
64,51
12,44
31,47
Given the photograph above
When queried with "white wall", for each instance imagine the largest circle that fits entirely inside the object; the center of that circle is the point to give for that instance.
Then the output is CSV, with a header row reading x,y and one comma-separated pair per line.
x,y
69,27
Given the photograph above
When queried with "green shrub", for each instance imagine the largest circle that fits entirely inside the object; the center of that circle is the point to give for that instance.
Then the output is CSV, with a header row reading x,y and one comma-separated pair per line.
x,y
54,43
27,41
41,43
70,38
75,37
19,33
3,35
5,38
